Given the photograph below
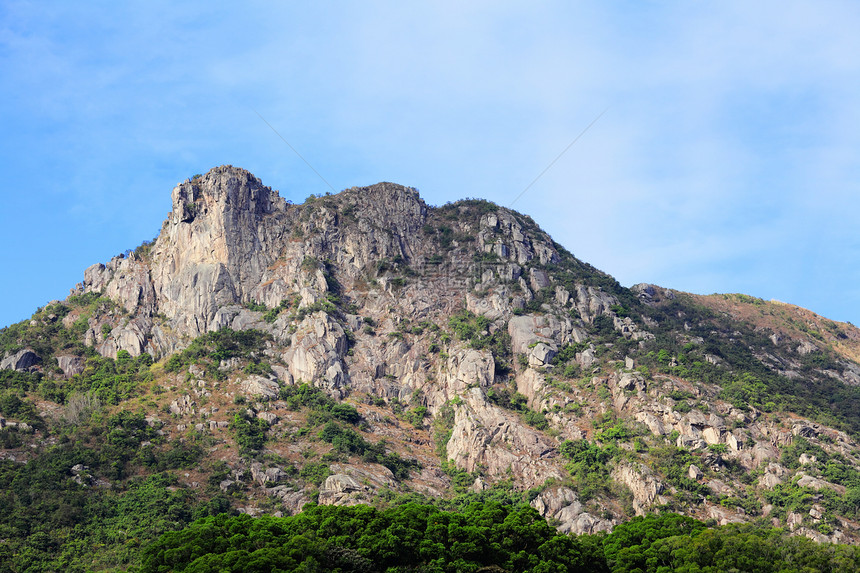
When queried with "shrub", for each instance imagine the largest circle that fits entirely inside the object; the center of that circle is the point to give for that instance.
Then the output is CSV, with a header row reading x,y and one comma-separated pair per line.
x,y
315,472
250,433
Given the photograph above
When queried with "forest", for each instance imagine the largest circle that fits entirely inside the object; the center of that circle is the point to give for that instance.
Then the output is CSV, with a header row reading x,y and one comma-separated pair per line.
x,y
483,537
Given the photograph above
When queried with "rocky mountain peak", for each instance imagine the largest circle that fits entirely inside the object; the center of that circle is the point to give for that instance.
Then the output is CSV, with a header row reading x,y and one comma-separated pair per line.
x,y
231,241
224,190
391,205
476,344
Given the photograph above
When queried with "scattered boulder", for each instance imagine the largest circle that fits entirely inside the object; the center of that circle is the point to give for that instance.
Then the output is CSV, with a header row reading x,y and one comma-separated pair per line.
x,y
182,406
806,347
723,516
260,387
292,500
375,475
694,473
270,417
541,355
265,476
817,483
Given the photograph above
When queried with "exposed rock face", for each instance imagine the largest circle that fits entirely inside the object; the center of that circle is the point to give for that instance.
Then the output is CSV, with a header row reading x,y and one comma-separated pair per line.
x,y
293,501
70,365
490,437
374,476
315,354
340,489
229,239
264,476
22,361
215,247
645,487
356,291
261,388
562,504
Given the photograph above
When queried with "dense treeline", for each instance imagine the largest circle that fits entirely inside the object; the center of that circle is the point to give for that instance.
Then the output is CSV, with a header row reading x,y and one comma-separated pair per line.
x,y
483,537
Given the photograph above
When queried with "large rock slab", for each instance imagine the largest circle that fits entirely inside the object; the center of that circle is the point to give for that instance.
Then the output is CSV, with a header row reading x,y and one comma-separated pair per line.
x,y
261,388
486,436
21,361
70,365
563,505
341,489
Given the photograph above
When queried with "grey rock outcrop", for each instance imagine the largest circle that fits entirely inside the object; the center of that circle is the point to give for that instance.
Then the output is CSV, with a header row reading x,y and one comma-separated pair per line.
x,y
21,361
563,505
374,475
215,246
341,489
354,293
260,388
487,436
646,488
315,353
291,499
266,476
70,365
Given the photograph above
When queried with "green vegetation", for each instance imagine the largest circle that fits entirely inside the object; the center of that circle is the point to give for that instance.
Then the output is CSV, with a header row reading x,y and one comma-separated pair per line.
x,y
570,272
98,482
57,515
674,462
331,414
481,537
477,331
46,335
143,250
568,353
588,466
111,381
610,430
518,403
14,404
745,380
442,426
271,314
406,538
416,415
323,406
213,347
315,472
250,433
349,442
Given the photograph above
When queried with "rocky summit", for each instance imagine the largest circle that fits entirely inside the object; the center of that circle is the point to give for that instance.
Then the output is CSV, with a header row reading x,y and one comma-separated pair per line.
x,y
365,347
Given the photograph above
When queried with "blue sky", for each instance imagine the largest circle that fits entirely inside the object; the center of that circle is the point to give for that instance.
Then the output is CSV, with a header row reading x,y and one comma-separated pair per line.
x,y
728,159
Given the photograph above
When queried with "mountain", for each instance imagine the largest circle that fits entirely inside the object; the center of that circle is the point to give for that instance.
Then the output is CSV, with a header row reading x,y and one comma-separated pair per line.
x,y
365,347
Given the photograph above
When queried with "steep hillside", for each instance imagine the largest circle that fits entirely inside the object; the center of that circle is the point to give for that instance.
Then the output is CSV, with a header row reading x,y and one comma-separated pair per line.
x,y
791,325
365,347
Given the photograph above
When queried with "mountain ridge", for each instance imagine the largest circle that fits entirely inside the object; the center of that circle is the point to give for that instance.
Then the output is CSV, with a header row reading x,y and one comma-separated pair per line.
x,y
365,347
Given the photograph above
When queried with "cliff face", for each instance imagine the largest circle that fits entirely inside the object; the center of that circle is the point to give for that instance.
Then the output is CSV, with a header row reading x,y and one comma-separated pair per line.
x,y
508,353
231,240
